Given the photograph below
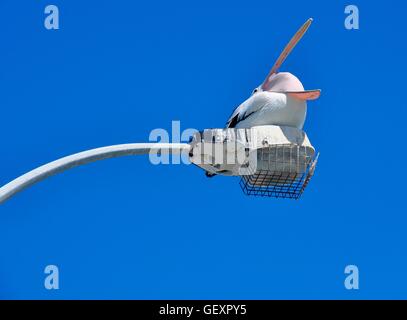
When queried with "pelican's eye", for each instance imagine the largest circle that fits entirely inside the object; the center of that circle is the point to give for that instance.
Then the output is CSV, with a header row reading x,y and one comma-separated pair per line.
x,y
255,90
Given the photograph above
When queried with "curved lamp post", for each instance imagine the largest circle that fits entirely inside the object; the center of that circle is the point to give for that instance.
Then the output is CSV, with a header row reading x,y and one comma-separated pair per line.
x,y
272,161
81,158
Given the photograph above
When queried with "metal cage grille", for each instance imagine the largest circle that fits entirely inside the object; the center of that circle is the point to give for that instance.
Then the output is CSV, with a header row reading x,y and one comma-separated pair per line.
x,y
282,171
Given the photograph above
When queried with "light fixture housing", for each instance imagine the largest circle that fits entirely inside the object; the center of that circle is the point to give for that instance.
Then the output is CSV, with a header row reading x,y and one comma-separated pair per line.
x,y
273,161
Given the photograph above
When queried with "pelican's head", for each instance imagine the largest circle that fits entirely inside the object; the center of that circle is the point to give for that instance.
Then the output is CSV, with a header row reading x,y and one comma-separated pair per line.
x,y
286,82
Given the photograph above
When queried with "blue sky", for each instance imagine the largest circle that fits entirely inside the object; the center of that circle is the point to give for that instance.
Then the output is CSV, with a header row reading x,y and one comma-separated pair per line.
x,y
123,228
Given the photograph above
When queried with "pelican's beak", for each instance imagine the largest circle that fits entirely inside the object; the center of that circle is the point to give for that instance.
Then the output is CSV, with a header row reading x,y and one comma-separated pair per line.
x,y
305,95
289,47
282,82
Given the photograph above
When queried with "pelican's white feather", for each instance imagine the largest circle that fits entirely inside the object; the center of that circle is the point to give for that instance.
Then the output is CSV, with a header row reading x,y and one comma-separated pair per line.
x,y
269,108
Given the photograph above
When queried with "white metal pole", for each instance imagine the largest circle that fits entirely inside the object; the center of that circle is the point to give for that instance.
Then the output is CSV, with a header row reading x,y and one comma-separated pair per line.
x,y
81,158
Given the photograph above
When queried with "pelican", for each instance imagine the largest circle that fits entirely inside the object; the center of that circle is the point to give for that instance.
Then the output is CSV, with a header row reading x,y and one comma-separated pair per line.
x,y
280,100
